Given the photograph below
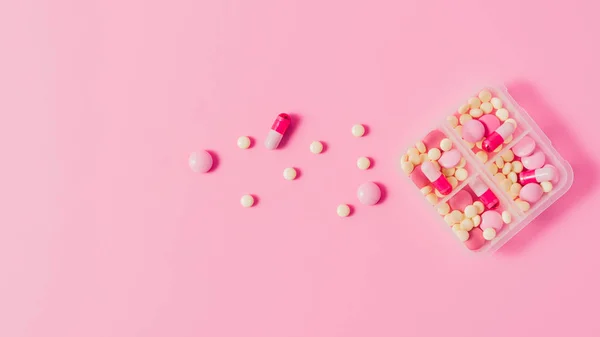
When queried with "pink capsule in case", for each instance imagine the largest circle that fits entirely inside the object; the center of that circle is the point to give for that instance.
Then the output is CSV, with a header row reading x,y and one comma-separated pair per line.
x,y
488,170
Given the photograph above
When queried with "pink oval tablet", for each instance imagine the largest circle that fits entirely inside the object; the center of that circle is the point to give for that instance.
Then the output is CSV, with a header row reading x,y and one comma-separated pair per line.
x,y
450,159
369,193
524,147
461,200
535,161
433,139
418,178
491,219
476,239
201,161
531,193
473,131
556,177
490,123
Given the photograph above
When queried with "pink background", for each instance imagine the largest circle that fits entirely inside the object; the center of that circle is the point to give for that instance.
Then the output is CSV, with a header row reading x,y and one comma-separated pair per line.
x,y
106,231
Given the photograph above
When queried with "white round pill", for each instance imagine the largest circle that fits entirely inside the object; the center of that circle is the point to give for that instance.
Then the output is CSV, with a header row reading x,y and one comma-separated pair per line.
x,y
443,209
420,146
464,109
485,95
462,235
496,103
358,130
546,186
289,173
480,207
461,174
465,118
446,144
434,153
466,224
476,220
489,233
470,211
343,210
243,142
502,114
486,107
407,167
475,113
316,147
427,189
506,217
247,200
474,102
453,121
364,163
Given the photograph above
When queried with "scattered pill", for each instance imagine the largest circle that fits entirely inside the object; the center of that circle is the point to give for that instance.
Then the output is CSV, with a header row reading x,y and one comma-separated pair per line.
x,y
436,177
499,177
523,205
476,239
457,216
443,209
489,233
448,219
358,130
524,147
280,125
453,182
502,114
466,224
506,217
512,176
531,193
458,130
499,162
460,200
476,113
448,172
496,138
462,163
455,227
491,219
450,158
343,210
316,147
369,193
424,157
534,161
452,120
426,190
434,153
512,121
462,235
508,156
473,131
507,168
517,166
484,193
420,146
476,221
482,156
243,142
470,211
407,167
506,184
413,158
439,194
486,107
464,118
514,190
493,169
461,174
200,161
413,152
464,109
490,123
432,198
474,102
479,206
364,163
496,102
485,95
546,186
289,173
247,200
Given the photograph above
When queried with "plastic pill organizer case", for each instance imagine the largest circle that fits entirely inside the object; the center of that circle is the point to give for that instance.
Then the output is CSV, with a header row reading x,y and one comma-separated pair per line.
x,y
460,191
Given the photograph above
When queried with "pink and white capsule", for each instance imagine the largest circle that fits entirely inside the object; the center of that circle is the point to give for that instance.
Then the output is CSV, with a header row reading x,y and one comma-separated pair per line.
x,y
280,125
485,195
497,137
436,178
537,176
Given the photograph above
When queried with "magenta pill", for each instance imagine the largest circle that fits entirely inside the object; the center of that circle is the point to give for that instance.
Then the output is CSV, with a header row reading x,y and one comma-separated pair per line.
x,y
490,123
450,159
524,147
534,161
491,219
200,161
461,200
473,131
531,193
369,193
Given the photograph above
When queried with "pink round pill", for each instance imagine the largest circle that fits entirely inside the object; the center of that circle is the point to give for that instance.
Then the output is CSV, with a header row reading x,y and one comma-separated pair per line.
x,y
524,147
369,193
476,239
555,180
450,159
531,193
534,161
200,162
473,131
491,219
433,139
490,123
461,200
418,178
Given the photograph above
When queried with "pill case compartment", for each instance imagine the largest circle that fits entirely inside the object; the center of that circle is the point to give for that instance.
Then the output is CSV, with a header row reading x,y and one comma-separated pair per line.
x,y
477,169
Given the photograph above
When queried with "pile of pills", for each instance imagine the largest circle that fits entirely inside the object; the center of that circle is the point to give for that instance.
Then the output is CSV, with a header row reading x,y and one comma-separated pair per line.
x,y
368,193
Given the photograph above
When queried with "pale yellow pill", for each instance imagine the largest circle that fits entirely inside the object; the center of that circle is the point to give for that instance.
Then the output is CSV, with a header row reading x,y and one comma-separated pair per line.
x,y
434,153
479,144
427,189
407,167
489,233
343,210
499,162
479,206
364,163
424,157
486,107
469,144
466,224
506,184
506,217
507,168
289,173
462,163
432,198
443,209
508,139
482,156
453,182
499,177
517,166
523,205
547,186
493,168
485,95
404,158
464,109
316,147
358,130
462,235
448,219
498,149
412,151
455,227
458,130
502,114
457,216
420,146
496,102
247,200
446,144
515,189
439,194
448,172
465,118
476,220
470,211
476,113
413,158
513,177
243,142
514,122
474,102
508,156
452,120
461,174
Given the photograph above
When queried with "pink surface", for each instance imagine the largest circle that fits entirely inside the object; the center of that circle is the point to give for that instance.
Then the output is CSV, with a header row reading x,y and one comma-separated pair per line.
x,y
107,232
